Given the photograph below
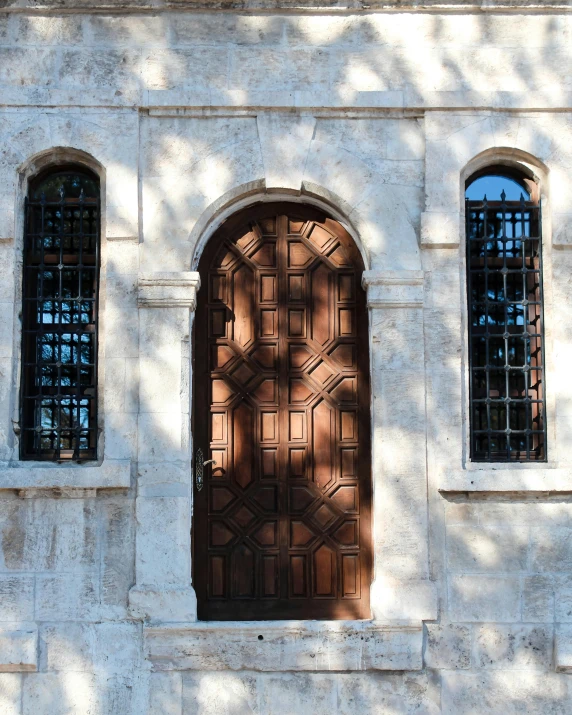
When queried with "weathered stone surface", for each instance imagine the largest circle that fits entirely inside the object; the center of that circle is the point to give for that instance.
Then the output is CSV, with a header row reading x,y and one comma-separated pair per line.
x,y
487,549
18,648
51,535
509,692
285,143
538,598
213,693
285,646
117,553
60,694
166,694
112,473
10,694
448,646
522,647
16,597
563,649
67,597
484,598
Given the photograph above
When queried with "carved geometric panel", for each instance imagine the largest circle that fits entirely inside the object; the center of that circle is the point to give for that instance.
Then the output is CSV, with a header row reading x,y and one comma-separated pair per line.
x,y
279,404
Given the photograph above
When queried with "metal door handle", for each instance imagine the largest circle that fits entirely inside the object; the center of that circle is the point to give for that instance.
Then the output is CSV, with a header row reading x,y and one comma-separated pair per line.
x,y
199,468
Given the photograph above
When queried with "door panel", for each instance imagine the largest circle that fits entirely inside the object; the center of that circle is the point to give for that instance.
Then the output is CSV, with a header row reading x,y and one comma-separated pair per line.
x,y
281,401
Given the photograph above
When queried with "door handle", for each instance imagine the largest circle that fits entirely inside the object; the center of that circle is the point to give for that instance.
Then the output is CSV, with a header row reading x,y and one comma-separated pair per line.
x,y
200,464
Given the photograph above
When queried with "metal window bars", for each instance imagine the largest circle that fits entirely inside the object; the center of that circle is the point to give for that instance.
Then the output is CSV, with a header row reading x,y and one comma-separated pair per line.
x,y
506,335
59,323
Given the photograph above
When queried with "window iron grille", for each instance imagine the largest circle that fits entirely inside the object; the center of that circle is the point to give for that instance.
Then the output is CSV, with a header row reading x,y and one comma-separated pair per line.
x,y
60,318
506,335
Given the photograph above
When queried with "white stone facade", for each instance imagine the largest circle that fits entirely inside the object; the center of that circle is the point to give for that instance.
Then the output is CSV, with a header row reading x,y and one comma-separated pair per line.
x,y
378,114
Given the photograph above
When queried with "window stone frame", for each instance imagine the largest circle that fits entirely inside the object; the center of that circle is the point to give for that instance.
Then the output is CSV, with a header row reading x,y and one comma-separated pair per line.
x,y
448,166
105,472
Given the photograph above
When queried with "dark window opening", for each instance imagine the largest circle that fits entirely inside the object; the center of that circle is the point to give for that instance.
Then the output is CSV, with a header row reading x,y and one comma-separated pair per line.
x,y
506,335
59,317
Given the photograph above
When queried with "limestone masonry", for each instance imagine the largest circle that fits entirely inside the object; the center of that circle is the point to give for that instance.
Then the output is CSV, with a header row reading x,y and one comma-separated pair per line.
x,y
377,113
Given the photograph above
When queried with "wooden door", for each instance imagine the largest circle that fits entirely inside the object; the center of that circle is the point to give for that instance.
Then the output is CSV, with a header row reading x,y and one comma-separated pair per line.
x,y
281,401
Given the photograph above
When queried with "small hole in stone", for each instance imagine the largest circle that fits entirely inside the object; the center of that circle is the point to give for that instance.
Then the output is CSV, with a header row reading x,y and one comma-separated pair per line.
x,y
260,638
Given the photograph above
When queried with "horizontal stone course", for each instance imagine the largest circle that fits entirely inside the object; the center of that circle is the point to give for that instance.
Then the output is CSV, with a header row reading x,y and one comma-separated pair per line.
x,y
275,646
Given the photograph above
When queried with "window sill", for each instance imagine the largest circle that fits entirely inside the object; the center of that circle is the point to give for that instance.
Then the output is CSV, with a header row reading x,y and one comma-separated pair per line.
x,y
285,646
507,478
37,475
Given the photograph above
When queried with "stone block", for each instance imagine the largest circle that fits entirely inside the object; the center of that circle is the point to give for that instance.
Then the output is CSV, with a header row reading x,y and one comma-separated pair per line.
x,y
163,554
216,693
68,647
121,222
440,230
403,600
99,69
41,30
510,693
7,219
119,694
563,649
6,330
49,534
285,142
460,512
487,549
484,598
122,255
538,598
397,334
448,646
285,646
166,694
444,402
67,597
163,330
114,395
316,693
163,604
27,66
60,694
271,68
127,30
160,437
118,647
562,233
121,325
131,397
163,480
111,473
18,648
120,436
117,552
16,597
551,549
228,28
10,694
200,67
522,647
563,598
160,381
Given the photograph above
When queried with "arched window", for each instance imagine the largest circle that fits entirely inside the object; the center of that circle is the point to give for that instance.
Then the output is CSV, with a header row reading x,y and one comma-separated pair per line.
x,y
59,316
506,337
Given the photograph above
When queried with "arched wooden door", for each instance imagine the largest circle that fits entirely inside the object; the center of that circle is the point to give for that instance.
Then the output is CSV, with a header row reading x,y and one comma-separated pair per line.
x,y
281,402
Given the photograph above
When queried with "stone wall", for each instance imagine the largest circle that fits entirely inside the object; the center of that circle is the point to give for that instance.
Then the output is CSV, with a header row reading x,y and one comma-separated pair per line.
x,y
378,117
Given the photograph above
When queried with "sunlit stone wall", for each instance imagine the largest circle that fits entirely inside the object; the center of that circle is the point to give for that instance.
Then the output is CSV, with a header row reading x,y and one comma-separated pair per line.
x,y
187,114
